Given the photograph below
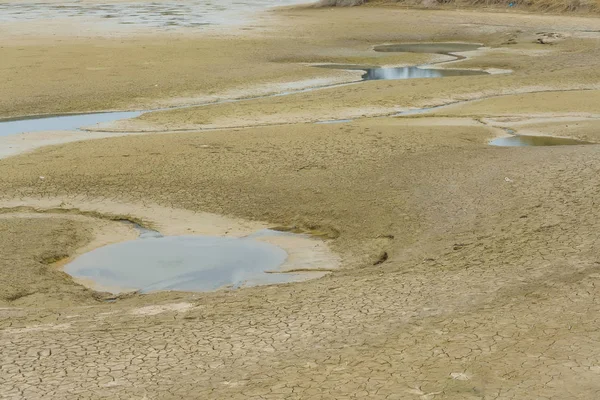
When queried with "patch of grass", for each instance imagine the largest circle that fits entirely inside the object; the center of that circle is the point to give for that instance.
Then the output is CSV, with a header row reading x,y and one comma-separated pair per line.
x,y
340,3
49,259
533,5
17,295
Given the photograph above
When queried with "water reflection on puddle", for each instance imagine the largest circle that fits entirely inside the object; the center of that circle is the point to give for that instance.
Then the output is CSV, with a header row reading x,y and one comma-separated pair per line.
x,y
522,141
416,73
187,263
375,73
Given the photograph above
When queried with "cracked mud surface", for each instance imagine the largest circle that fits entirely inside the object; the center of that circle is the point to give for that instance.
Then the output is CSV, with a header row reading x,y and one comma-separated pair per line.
x,y
487,296
467,271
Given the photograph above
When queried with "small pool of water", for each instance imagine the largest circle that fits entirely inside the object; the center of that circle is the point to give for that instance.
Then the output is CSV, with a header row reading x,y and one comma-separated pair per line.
x,y
523,140
62,122
186,263
376,73
433,48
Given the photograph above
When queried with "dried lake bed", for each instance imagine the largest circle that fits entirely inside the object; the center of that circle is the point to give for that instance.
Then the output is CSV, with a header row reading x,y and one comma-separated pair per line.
x,y
444,267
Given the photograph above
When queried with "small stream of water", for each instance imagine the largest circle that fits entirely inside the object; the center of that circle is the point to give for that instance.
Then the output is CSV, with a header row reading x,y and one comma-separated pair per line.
x,y
76,121
62,122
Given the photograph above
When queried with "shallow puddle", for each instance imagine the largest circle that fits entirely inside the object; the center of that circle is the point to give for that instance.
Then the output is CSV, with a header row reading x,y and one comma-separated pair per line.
x,y
433,48
522,141
416,73
186,263
62,122
404,72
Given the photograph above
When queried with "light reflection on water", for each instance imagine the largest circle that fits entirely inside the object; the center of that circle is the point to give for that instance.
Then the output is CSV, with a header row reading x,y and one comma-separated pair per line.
x,y
416,73
187,263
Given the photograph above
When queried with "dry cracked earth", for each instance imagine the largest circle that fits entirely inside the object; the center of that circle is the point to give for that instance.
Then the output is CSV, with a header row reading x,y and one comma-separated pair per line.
x,y
468,271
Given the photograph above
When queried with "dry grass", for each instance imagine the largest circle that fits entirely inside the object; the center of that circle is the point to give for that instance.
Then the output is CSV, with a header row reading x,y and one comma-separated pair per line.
x,y
532,5
340,3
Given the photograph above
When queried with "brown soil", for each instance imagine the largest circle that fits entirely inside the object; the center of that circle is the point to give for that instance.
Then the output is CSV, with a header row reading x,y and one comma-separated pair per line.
x,y
31,247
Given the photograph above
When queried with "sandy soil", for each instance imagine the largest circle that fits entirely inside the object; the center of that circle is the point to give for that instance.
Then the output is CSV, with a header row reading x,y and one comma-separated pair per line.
x,y
579,128
147,71
76,74
467,271
552,103
380,98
